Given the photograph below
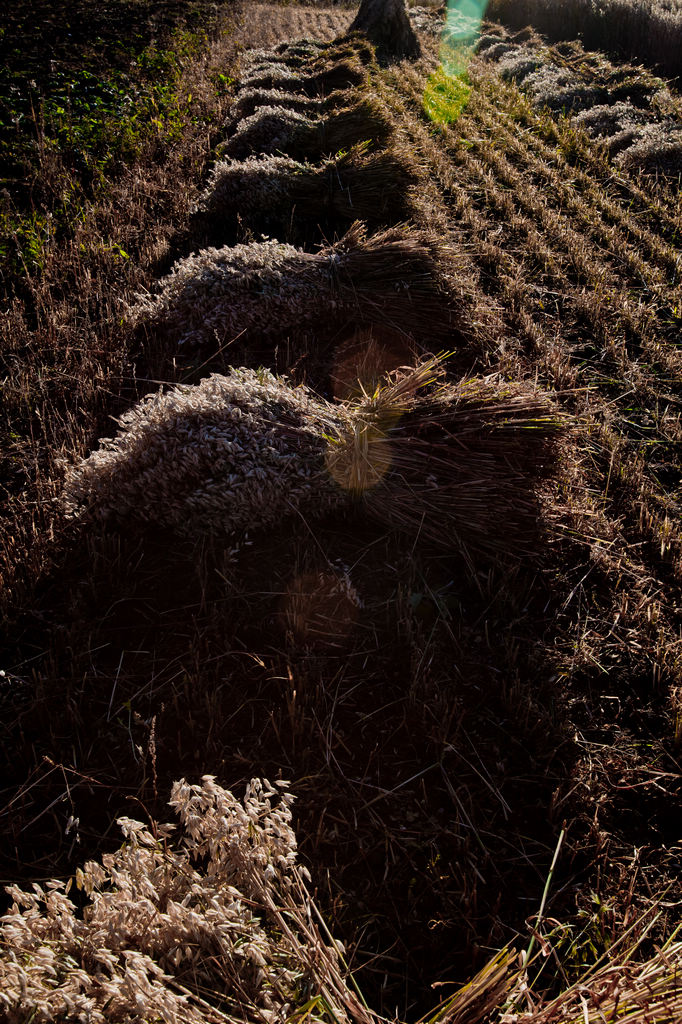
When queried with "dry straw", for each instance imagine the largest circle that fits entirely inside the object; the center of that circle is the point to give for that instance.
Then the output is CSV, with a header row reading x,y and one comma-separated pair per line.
x,y
281,130
350,44
267,193
644,30
308,60
249,100
270,290
457,466
622,107
290,54
214,924
232,453
453,464
314,56
212,927
272,73
656,149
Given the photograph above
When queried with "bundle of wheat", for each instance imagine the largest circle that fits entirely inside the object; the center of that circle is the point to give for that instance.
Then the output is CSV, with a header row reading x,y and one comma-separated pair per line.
x,y
609,120
344,74
250,100
275,73
265,193
351,44
456,464
267,130
244,190
656,149
287,54
305,49
246,450
230,454
272,130
272,75
269,290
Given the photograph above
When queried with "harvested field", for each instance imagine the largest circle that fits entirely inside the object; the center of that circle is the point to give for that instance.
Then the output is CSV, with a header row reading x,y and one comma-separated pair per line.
x,y
631,113
643,30
442,598
270,24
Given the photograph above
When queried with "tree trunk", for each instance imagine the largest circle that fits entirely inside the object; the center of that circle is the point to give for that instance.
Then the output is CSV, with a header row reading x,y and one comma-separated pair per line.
x,y
387,26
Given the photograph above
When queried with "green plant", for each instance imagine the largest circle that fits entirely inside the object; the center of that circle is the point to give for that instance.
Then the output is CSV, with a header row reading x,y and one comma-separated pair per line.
x,y
446,95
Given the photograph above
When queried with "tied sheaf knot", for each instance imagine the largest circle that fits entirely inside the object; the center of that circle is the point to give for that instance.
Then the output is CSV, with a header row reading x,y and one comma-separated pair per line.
x,y
247,449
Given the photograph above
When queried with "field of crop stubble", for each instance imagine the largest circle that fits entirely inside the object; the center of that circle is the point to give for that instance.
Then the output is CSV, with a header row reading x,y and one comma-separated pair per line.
x,y
459,726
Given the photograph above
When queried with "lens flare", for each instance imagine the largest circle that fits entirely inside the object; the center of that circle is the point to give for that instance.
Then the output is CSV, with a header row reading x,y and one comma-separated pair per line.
x,y
320,609
447,91
463,18
364,358
361,459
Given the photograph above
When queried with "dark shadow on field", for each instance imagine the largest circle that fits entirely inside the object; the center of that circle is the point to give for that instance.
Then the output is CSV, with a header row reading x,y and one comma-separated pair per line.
x,y
413,708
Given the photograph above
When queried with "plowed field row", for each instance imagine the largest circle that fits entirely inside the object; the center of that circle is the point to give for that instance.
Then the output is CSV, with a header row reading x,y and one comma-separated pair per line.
x,y
266,25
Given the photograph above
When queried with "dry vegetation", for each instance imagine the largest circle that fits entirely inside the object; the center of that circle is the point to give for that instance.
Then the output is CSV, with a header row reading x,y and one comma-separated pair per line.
x,y
644,30
467,660
634,115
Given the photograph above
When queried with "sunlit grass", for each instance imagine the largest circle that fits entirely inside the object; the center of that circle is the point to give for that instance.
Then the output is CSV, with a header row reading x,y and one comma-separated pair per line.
x,y
446,95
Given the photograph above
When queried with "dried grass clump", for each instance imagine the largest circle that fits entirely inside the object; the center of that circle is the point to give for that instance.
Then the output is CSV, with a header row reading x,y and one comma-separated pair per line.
x,y
515,64
250,100
457,466
634,140
555,88
493,49
267,290
267,130
492,35
303,49
610,119
246,450
272,75
347,73
246,188
619,988
548,84
231,453
295,54
216,926
213,927
656,149
646,30
272,130
263,192
354,45
624,108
